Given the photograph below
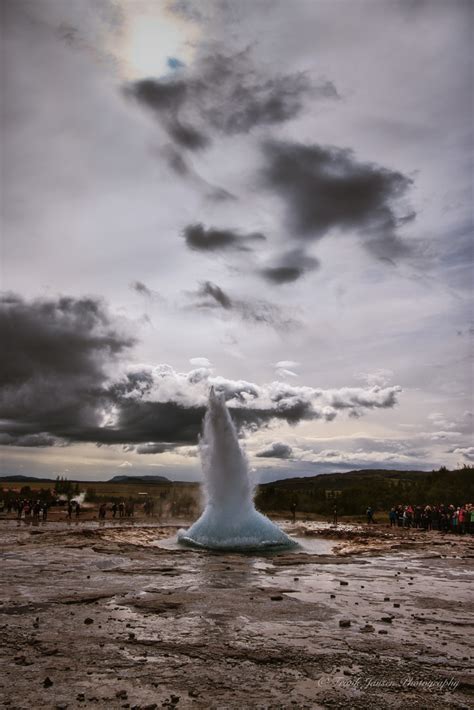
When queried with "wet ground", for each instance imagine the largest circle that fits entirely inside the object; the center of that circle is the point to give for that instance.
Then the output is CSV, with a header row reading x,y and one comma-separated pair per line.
x,y
120,616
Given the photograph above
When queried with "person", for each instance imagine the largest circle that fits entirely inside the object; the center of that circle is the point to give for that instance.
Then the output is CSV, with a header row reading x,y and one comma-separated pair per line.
x,y
69,510
293,511
102,511
393,518
114,510
78,509
45,512
370,515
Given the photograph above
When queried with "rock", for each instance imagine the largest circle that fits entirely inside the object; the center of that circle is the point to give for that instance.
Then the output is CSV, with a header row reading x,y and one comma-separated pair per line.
x,y
386,599
383,631
367,629
343,584
333,596
122,694
276,598
386,619
344,623
47,683
88,620
397,606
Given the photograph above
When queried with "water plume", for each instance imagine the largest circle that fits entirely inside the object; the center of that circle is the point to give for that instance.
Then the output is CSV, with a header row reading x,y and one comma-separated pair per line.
x,y
229,520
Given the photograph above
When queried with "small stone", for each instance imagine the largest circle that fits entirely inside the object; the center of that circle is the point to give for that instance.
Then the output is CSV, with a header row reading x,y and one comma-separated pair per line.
x,y
383,631
397,606
122,694
81,697
333,596
386,619
386,599
344,623
47,683
295,579
88,620
276,598
343,584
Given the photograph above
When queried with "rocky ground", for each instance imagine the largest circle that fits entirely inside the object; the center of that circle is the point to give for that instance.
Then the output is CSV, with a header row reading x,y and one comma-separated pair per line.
x,y
119,616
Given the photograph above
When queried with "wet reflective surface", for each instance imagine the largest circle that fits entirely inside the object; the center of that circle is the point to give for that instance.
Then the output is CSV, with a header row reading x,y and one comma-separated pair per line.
x,y
121,615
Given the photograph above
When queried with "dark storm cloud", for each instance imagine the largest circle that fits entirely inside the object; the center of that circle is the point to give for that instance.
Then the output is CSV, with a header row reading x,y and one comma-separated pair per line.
x,y
56,388
52,362
260,312
211,239
327,188
277,450
186,136
225,93
214,296
151,449
290,267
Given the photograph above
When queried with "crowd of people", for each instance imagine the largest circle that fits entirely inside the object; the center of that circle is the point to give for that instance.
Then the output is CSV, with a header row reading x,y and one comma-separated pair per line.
x,y
445,518
28,509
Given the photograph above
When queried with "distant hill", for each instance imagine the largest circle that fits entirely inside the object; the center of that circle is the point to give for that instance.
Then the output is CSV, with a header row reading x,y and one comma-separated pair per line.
x,y
25,479
139,479
353,491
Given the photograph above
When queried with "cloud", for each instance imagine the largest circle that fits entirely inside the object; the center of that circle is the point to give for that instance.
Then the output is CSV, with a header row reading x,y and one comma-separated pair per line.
x,y
200,362
260,312
211,239
151,449
466,451
54,362
326,188
58,386
290,267
291,364
277,450
224,93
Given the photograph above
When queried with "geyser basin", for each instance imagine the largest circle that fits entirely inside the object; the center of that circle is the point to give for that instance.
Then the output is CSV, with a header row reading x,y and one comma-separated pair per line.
x,y
229,520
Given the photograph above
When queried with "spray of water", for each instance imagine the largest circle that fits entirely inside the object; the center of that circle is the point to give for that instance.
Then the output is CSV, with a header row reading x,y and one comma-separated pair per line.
x,y
229,520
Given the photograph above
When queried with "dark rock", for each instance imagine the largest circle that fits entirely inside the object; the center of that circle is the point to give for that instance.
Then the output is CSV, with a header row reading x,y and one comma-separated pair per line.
x,y
386,619
386,599
344,623
276,598
121,694
397,606
343,584
47,683
88,620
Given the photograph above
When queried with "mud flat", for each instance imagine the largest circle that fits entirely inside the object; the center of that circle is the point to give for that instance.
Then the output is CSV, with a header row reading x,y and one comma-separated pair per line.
x,y
119,616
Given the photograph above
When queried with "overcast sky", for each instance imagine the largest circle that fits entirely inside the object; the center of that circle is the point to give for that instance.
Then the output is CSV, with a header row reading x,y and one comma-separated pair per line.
x,y
271,197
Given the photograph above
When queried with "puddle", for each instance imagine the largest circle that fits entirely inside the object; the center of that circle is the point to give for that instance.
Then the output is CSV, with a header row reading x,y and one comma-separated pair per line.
x,y
313,546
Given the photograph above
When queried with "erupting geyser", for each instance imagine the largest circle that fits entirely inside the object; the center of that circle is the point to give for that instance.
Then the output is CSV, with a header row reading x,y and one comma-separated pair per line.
x,y
229,520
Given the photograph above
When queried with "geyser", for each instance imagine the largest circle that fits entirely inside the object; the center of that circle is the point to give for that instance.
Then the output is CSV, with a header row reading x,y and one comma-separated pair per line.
x,y
229,520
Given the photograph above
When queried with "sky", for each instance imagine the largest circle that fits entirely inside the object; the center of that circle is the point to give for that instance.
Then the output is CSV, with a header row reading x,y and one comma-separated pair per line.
x,y
271,198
